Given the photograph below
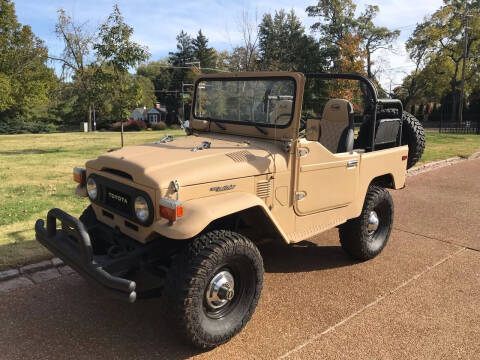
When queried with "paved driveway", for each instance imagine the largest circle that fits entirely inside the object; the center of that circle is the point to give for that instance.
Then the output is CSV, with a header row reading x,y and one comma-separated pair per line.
x,y
419,299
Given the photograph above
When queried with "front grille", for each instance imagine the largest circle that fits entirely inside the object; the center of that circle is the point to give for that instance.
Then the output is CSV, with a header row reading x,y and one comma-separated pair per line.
x,y
118,201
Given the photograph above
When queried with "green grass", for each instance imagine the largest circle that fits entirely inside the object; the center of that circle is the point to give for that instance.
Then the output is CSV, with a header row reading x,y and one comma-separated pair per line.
x,y
36,175
444,146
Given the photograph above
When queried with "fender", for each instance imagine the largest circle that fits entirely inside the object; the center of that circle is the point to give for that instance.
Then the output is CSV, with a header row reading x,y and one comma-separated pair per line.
x,y
198,213
378,163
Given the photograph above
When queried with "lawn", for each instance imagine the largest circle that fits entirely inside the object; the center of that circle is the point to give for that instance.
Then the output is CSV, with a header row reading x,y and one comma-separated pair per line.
x,y
444,146
36,175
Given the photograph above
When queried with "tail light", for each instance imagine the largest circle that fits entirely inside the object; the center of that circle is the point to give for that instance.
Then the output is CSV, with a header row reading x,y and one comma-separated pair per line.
x,y
170,209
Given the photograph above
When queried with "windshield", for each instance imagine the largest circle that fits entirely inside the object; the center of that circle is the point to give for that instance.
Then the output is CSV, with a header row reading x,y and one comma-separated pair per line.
x,y
264,102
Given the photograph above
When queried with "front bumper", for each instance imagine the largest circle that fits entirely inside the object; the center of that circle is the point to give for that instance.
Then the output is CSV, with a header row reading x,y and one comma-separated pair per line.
x,y
72,244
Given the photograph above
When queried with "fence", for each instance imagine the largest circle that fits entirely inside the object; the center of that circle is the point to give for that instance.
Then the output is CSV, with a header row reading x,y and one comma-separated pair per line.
x,y
471,125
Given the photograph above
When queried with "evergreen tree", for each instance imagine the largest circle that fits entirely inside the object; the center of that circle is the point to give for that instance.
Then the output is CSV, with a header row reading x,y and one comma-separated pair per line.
x,y
201,52
283,44
185,50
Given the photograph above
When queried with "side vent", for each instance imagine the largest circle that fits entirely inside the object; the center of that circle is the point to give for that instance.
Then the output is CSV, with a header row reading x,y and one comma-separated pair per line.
x,y
264,189
241,156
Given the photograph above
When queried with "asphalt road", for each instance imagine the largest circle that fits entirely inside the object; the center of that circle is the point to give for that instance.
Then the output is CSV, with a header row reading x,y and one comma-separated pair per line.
x,y
420,299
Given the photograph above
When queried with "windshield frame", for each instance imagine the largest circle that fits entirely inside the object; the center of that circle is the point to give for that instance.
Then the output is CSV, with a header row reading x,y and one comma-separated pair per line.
x,y
247,78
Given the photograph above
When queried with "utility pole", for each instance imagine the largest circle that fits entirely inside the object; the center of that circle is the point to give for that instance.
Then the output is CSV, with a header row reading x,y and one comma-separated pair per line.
x,y
183,99
465,55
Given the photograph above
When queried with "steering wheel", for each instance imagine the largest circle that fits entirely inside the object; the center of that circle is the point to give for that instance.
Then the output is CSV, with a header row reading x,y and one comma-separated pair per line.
x,y
280,115
303,124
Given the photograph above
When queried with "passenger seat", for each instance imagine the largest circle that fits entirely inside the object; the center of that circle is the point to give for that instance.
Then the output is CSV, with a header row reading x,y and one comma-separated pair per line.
x,y
337,126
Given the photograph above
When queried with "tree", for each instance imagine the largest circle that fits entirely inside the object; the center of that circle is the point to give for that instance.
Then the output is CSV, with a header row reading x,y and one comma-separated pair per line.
x,y
336,19
202,52
283,44
374,38
120,53
25,80
439,40
185,50
246,55
77,59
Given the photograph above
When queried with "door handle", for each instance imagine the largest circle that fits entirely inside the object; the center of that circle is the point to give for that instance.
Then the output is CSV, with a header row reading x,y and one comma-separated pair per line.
x,y
352,164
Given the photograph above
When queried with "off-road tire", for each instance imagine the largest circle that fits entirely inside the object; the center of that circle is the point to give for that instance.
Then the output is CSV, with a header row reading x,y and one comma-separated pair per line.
x,y
88,217
413,134
190,274
354,234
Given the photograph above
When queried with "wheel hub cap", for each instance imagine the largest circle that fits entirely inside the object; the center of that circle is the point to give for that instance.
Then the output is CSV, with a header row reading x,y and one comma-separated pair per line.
x,y
220,290
372,222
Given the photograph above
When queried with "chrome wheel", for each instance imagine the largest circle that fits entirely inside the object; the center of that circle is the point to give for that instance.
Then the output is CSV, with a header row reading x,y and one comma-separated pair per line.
x,y
373,223
220,291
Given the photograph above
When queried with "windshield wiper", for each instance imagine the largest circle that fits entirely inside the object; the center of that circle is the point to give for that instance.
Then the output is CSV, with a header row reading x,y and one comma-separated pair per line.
x,y
263,131
216,122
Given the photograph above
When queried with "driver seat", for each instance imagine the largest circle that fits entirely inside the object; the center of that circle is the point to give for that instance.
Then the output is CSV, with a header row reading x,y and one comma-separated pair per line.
x,y
337,126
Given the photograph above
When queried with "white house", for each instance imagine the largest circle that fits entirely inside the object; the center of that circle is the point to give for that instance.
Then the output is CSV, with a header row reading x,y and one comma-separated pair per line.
x,y
156,114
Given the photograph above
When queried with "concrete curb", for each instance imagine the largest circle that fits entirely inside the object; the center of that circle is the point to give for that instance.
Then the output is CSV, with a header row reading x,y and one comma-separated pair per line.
x,y
434,165
12,279
439,164
30,274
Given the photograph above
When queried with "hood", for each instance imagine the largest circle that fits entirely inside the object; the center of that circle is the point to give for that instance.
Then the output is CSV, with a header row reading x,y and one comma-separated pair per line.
x,y
157,164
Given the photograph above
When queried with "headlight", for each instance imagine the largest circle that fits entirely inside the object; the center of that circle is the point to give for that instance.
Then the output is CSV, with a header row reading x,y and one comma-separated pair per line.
x,y
92,188
141,209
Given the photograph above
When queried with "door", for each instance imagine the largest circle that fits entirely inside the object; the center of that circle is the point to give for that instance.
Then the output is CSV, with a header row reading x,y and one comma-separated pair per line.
x,y
324,180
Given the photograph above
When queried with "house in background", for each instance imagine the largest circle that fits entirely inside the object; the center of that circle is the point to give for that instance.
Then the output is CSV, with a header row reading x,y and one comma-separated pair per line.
x,y
139,114
151,116
156,114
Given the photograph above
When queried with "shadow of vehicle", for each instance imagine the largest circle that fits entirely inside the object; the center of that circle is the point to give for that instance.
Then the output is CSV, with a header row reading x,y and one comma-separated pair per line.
x,y
305,256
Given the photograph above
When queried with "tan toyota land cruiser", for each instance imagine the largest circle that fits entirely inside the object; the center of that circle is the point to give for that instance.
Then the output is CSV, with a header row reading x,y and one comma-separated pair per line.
x,y
184,214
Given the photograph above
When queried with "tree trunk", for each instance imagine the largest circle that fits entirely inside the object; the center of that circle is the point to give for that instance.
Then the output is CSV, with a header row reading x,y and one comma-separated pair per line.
x,y
369,65
454,111
89,117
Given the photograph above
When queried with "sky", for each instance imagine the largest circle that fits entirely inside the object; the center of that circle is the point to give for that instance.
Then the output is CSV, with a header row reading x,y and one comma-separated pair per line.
x,y
156,23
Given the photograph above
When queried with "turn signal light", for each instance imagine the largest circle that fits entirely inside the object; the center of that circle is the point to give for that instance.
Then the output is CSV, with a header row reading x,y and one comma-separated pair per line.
x,y
79,175
404,157
170,209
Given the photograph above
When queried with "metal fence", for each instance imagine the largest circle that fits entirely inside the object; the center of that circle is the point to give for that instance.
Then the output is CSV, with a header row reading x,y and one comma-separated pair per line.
x,y
469,126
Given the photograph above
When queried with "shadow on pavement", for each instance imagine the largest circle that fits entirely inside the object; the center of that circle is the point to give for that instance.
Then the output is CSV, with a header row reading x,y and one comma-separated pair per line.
x,y
303,257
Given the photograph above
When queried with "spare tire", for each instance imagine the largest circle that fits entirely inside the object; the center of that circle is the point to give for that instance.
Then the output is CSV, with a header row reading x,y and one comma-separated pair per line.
x,y
413,134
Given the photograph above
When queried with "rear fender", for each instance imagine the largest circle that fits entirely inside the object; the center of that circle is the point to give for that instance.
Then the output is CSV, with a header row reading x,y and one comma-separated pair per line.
x,y
199,213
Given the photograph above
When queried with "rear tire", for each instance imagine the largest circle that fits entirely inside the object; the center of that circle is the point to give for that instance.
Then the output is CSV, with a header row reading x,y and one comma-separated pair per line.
x,y
213,287
359,237
413,135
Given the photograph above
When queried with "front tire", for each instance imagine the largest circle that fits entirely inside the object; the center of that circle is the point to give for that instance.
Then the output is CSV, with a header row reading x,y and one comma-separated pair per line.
x,y
364,237
213,287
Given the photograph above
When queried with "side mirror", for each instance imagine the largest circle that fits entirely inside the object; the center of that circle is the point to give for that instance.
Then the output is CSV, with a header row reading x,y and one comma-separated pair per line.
x,y
312,131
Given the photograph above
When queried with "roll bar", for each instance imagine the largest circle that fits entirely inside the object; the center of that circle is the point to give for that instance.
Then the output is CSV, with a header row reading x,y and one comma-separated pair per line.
x,y
373,94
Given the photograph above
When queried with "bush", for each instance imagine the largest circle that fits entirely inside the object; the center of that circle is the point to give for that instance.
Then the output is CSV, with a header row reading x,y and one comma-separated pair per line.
x,y
19,126
130,125
175,127
159,126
